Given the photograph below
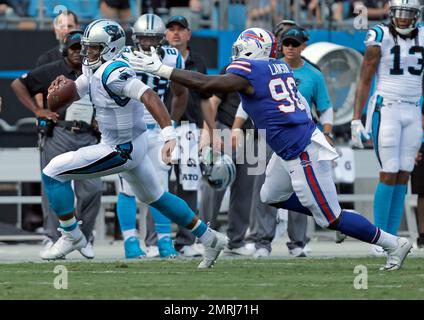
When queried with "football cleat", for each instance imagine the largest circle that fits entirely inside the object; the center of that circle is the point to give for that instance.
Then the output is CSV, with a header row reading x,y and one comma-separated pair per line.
x,y
87,251
132,249
166,249
189,251
340,237
64,245
242,251
396,256
213,250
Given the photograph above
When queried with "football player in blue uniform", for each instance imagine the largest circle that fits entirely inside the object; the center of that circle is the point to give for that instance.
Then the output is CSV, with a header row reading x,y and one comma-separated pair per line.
x,y
298,176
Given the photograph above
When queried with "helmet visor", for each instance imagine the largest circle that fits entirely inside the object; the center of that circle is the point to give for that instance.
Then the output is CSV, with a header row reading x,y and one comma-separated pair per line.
x,y
404,13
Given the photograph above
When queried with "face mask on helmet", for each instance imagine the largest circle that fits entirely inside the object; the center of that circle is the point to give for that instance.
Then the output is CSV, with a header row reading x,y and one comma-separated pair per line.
x,y
218,170
91,54
404,19
144,42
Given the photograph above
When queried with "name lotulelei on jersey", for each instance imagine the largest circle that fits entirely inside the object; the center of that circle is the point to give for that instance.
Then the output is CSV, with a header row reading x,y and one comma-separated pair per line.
x,y
171,57
400,73
120,118
276,105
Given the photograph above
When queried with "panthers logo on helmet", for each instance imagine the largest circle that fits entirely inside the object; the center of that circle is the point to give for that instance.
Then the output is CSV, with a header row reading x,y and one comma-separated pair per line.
x,y
114,32
218,170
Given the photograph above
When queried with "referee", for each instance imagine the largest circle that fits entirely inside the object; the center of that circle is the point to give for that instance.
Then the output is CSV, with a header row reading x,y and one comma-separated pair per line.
x,y
68,129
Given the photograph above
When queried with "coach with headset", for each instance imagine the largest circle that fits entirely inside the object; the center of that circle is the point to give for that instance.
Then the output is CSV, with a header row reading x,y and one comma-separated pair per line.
x,y
67,129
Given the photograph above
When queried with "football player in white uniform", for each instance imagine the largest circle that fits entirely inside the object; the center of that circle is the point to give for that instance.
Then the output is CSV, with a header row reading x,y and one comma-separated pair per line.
x,y
149,30
116,93
395,55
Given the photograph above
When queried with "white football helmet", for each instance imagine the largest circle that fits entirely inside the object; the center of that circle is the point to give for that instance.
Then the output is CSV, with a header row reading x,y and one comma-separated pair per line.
x,y
405,9
148,31
107,34
218,169
255,44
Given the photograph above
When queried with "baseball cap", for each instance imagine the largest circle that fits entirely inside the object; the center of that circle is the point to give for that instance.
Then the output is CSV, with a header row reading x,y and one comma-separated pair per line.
x,y
296,33
283,25
182,21
72,38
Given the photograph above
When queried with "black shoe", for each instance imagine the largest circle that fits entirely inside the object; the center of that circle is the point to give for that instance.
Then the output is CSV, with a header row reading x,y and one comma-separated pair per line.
x,y
420,242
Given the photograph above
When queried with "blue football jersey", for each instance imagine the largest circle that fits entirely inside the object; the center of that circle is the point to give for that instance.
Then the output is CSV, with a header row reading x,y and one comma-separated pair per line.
x,y
275,105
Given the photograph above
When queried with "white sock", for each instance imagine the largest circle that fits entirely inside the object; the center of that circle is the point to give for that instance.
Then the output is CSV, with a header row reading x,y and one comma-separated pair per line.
x,y
76,232
207,237
387,240
129,233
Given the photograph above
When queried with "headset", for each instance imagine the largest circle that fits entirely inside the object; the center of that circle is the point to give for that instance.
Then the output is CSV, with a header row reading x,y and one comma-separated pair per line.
x,y
69,36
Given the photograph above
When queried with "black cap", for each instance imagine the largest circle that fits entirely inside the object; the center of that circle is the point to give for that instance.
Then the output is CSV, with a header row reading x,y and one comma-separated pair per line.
x,y
72,38
182,21
296,33
283,25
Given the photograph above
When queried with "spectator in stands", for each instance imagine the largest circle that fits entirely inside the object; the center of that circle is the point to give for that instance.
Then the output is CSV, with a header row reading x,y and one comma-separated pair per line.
x,y
116,9
68,130
178,34
313,9
225,107
10,8
417,183
261,13
377,10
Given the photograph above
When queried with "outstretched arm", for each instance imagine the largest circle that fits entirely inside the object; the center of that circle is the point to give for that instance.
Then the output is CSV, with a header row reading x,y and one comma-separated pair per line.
x,y
195,80
205,83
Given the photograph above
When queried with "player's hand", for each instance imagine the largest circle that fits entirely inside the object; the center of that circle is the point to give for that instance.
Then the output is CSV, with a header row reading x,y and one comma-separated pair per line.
x,y
60,80
47,114
140,61
167,150
357,131
236,138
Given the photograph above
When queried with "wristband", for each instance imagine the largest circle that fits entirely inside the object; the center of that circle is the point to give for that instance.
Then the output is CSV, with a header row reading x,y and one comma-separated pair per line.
x,y
168,133
164,71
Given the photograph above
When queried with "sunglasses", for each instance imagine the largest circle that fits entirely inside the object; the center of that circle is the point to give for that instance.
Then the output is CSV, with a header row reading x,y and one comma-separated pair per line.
x,y
295,44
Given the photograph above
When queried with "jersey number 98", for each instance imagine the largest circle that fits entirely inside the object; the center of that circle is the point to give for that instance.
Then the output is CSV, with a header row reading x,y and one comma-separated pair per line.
x,y
287,94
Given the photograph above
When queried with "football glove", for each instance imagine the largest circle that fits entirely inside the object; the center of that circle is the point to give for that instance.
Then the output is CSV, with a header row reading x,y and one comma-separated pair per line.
x,y
140,61
357,131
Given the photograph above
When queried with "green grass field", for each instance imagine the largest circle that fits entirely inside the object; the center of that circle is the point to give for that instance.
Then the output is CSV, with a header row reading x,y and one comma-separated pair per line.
x,y
230,279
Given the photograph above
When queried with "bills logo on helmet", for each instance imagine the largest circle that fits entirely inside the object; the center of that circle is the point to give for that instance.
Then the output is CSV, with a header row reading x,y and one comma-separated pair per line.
x,y
255,43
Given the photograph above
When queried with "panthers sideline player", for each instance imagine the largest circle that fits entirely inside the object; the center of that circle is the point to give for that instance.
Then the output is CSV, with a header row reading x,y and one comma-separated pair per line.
x,y
149,30
298,176
116,93
395,55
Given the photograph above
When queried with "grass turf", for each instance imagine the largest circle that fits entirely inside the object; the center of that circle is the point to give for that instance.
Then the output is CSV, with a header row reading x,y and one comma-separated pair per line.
x,y
229,279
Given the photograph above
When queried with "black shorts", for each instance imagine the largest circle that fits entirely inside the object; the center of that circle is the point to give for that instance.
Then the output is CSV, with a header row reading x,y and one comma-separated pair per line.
x,y
118,4
417,176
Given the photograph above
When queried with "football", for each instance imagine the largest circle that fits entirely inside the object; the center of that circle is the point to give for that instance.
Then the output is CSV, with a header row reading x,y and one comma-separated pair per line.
x,y
63,94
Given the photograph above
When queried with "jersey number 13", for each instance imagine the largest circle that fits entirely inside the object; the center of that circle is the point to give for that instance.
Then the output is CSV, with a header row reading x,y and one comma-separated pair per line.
x,y
397,70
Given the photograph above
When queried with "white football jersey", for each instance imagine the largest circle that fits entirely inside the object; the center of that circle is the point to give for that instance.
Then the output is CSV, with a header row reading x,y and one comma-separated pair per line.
x,y
400,73
120,118
170,57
